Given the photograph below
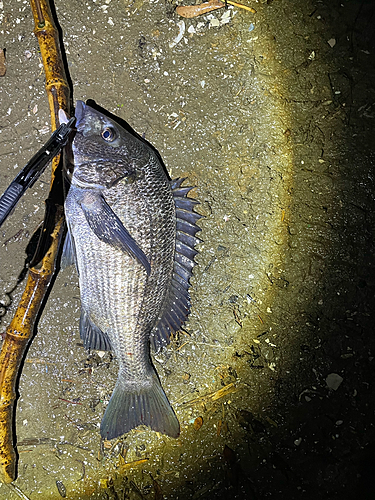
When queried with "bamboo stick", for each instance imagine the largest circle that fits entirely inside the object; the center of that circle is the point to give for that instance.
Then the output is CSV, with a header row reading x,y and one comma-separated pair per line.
x,y
20,331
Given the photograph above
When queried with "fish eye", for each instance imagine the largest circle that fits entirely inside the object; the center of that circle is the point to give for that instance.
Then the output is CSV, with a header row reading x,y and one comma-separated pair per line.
x,y
108,134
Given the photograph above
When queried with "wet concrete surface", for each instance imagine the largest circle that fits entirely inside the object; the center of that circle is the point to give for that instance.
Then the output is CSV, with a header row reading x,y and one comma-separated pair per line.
x,y
271,117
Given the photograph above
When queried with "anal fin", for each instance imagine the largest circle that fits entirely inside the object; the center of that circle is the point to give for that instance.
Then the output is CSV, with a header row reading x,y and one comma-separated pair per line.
x,y
91,335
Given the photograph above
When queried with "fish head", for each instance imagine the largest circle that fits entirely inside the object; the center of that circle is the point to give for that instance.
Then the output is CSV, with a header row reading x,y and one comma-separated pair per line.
x,y
104,152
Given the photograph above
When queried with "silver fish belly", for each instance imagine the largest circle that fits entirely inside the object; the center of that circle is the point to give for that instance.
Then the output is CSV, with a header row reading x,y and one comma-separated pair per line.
x,y
131,234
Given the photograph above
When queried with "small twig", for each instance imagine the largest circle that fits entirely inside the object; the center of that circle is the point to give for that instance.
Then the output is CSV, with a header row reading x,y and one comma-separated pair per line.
x,y
17,491
41,20
83,469
181,346
71,402
129,465
219,346
242,6
189,11
214,396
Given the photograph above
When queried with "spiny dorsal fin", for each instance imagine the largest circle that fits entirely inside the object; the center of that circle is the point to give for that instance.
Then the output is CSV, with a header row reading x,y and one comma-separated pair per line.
x,y
177,305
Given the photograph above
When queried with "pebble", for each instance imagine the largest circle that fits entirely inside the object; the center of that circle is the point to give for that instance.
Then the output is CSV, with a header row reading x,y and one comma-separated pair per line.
x,y
61,488
214,23
334,381
225,18
179,37
44,130
331,42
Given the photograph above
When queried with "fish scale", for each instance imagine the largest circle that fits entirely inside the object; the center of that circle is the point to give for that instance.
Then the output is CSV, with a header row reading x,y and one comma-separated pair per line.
x,y
123,214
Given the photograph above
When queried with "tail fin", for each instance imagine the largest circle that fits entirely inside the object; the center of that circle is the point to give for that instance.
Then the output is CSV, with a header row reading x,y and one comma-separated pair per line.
x,y
131,406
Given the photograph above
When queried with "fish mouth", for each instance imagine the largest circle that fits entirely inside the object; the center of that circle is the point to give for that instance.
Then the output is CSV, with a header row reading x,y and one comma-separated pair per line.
x,y
79,112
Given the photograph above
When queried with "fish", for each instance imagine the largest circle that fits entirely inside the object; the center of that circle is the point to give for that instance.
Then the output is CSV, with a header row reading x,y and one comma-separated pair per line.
x,y
131,232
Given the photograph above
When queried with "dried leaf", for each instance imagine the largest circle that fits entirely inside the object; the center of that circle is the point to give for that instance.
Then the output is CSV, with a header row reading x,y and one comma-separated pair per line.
x,y
198,422
229,455
223,392
123,466
197,10
157,489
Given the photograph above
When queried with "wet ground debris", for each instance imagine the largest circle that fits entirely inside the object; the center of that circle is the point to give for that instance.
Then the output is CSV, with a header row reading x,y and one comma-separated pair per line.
x,y
22,233
157,489
111,489
119,449
83,469
36,441
123,466
222,427
72,402
248,422
255,356
241,484
227,374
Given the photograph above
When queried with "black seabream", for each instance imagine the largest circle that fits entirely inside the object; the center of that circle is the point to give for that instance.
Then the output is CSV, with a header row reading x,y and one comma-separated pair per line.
x,y
131,234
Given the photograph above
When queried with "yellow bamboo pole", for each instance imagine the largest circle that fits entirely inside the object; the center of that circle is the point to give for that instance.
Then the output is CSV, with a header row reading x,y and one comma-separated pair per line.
x,y
20,331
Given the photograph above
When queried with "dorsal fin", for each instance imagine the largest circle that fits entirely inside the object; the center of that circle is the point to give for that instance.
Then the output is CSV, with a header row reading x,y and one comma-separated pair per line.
x,y
177,304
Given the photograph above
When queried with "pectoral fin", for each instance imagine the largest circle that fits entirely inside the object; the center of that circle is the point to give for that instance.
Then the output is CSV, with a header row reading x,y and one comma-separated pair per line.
x,y
108,227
